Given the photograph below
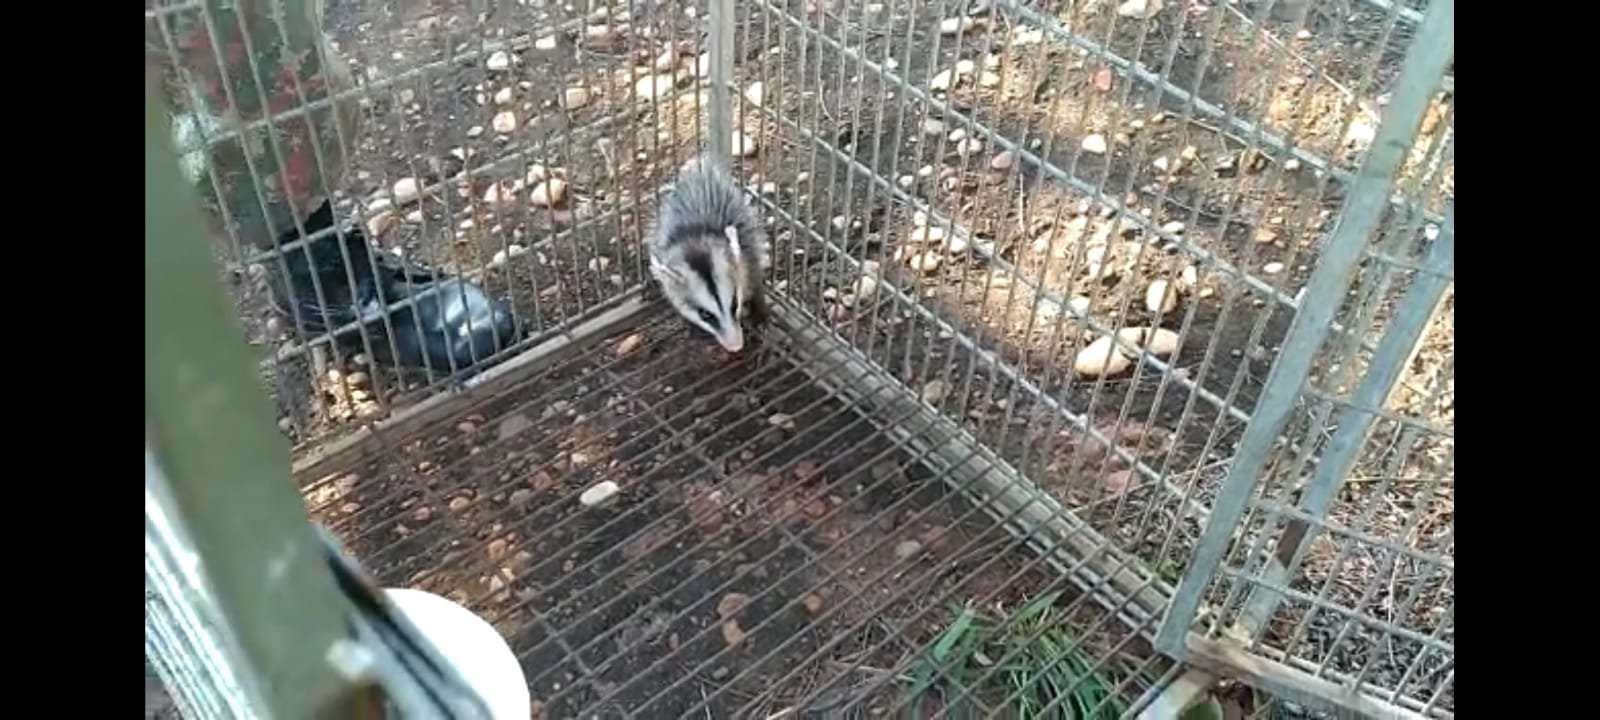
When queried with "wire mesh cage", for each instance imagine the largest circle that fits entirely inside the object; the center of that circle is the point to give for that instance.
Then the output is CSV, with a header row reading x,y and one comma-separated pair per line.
x,y
1112,348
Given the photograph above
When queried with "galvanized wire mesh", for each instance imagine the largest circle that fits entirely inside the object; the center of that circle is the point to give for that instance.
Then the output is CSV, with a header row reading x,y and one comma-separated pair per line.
x,y
968,201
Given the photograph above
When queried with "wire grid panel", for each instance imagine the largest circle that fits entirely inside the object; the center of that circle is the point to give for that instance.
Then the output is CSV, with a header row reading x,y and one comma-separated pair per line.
x,y
508,150
988,193
770,549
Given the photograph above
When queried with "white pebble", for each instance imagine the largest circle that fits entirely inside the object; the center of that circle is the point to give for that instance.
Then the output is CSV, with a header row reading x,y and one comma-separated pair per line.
x,y
781,420
969,146
1079,305
1142,9
500,60
510,251
406,190
866,286
575,97
932,126
935,391
549,193
1161,297
989,79
1272,268
504,96
955,245
654,87
943,81
547,42
379,223
1095,143
966,67
755,93
951,26
926,262
926,234
1190,276
1100,358
505,122
1159,342
743,145
600,494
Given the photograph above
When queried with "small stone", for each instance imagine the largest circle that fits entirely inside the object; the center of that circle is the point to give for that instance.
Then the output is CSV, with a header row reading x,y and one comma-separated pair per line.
x,y
1162,163
505,122
474,131
357,379
925,262
1272,268
547,42
1095,143
907,549
866,287
969,146
629,344
380,223
599,263
499,60
731,604
1161,297
1292,164
742,145
935,391
504,96
575,97
666,61
781,420
966,67
654,87
521,496
1141,9
1174,228
813,604
942,81
1189,277
1100,359
1265,235
495,195
755,93
459,503
955,25
957,135
406,190
927,234
512,426
549,193
1003,161
599,494
732,634
931,126
502,256
1157,341
989,79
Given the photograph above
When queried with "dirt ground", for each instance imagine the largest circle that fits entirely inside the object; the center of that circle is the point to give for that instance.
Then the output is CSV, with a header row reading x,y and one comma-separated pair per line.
x,y
1032,253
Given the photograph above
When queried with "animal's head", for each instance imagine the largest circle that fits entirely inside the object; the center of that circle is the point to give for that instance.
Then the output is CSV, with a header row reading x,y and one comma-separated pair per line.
x,y
702,275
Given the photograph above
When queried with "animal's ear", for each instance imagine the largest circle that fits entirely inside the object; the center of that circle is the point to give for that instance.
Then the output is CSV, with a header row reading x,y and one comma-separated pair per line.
x,y
732,231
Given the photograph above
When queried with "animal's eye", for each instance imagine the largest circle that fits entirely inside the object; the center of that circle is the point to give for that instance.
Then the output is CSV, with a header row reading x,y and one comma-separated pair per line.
x,y
708,318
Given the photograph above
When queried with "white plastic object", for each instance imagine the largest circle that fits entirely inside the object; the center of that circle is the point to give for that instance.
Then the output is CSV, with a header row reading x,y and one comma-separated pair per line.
x,y
478,652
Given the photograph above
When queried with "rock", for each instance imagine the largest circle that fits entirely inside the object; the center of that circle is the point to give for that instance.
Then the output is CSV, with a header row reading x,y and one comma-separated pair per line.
x,y
1079,305
957,25
1100,359
380,223
781,420
575,97
499,60
755,93
1265,236
813,604
1189,277
1159,342
667,61
1272,268
732,634
406,191
906,549
742,145
1003,161
502,256
989,79
731,604
549,193
547,42
943,81
969,146
966,67
599,494
504,96
505,122
925,262
654,87
866,287
935,391
521,496
926,234
1141,9
1161,297
512,426
629,344
931,126
1095,143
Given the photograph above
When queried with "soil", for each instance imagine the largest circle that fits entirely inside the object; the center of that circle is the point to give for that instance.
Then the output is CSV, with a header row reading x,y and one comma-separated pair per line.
x,y
616,607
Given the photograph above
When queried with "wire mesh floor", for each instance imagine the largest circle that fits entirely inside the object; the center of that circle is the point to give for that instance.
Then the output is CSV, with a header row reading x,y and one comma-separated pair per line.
x,y
771,550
